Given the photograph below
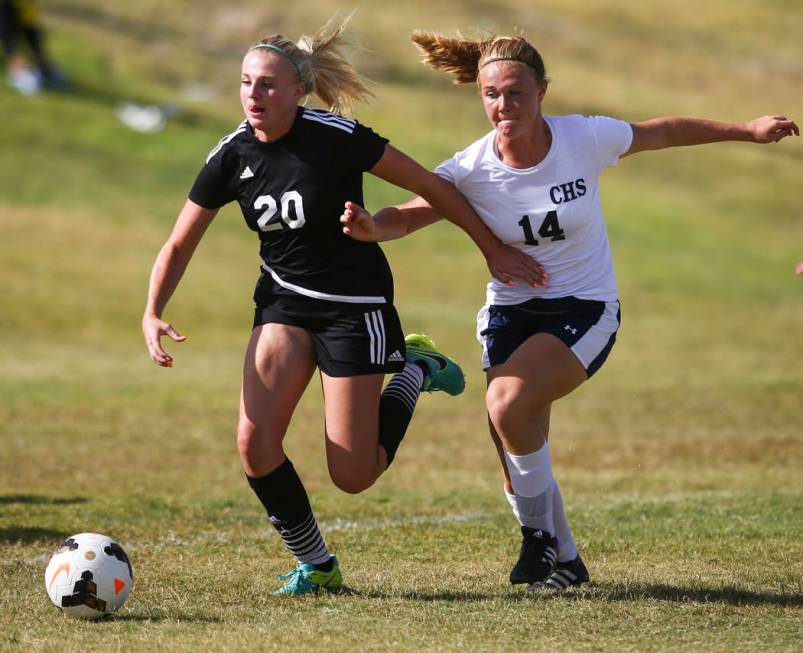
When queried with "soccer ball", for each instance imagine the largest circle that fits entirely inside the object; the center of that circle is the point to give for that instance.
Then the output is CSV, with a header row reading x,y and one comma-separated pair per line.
x,y
89,576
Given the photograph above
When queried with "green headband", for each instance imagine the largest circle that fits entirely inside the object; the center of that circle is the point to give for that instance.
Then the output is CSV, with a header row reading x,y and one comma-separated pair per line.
x,y
282,52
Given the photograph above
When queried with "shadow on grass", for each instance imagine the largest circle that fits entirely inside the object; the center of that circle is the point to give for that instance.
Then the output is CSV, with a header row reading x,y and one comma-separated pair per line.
x,y
455,597
26,535
605,592
156,618
35,499
615,592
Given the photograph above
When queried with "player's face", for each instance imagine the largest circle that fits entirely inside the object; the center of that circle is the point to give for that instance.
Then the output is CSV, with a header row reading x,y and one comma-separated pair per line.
x,y
512,97
269,92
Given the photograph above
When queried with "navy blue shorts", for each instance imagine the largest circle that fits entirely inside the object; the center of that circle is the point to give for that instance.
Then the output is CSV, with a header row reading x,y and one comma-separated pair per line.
x,y
348,341
587,327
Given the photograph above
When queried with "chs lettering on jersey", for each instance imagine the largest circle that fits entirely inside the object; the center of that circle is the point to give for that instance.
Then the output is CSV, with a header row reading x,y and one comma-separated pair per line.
x,y
292,192
551,211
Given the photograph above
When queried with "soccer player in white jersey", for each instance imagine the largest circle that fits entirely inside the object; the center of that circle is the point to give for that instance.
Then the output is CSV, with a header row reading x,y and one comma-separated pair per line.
x,y
535,181
322,299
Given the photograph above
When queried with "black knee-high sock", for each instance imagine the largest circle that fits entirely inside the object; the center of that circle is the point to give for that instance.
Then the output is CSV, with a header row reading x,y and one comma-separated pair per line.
x,y
396,406
286,502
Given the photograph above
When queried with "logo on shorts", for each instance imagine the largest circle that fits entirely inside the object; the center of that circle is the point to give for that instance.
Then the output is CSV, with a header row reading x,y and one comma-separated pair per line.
x,y
569,327
396,357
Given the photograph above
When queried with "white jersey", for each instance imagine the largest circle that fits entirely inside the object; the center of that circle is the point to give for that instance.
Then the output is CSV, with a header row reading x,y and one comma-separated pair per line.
x,y
551,211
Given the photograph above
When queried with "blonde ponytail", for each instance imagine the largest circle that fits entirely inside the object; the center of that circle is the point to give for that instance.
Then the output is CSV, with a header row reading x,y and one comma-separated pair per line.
x,y
458,56
336,82
322,68
464,58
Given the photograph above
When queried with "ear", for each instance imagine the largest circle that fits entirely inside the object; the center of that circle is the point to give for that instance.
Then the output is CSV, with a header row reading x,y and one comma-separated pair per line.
x,y
542,90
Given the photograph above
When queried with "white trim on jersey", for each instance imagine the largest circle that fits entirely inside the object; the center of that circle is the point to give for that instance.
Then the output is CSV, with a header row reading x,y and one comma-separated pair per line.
x,y
348,299
376,332
226,139
330,119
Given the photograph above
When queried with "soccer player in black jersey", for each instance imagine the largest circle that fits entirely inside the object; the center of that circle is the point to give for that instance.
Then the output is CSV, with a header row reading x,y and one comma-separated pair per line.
x,y
322,299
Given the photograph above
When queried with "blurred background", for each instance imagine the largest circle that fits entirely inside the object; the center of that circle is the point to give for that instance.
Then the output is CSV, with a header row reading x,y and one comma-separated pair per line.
x,y
95,168
679,462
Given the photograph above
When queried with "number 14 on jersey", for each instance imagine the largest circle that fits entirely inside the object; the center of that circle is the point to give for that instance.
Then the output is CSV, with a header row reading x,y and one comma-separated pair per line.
x,y
550,228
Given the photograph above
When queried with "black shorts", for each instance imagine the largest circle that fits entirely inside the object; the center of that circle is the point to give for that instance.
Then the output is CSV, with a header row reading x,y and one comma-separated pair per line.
x,y
349,340
588,328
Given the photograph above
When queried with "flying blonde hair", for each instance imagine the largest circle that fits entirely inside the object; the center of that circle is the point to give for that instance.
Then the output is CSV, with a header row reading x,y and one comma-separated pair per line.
x,y
464,58
321,66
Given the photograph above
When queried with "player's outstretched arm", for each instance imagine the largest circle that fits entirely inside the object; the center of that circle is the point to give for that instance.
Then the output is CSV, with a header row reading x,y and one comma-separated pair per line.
x,y
660,133
167,271
504,262
389,223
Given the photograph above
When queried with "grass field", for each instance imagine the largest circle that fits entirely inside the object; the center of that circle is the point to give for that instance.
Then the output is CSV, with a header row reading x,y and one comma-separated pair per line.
x,y
680,462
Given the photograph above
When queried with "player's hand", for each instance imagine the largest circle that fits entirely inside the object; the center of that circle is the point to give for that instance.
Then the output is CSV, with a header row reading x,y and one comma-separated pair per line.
x,y
507,264
771,129
358,223
154,328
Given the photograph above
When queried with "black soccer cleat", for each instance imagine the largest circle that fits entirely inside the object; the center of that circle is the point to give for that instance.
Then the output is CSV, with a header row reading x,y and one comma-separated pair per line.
x,y
566,574
539,550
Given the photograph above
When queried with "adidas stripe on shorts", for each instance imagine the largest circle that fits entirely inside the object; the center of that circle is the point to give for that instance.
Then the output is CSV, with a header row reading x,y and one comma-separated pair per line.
x,y
349,341
587,327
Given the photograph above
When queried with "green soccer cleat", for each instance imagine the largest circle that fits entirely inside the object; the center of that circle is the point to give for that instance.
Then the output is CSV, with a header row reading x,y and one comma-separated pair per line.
x,y
306,579
443,373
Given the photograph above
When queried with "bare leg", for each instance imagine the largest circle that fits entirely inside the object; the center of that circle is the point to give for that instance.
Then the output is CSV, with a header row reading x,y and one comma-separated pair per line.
x,y
543,418
278,366
519,401
353,452
279,363
521,391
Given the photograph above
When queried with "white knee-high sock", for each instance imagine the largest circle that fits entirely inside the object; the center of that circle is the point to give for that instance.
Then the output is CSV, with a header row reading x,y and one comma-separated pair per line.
x,y
566,543
531,478
568,547
526,512
511,499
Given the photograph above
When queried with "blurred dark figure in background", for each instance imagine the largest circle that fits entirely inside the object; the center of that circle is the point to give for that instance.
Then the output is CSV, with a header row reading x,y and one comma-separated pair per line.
x,y
19,20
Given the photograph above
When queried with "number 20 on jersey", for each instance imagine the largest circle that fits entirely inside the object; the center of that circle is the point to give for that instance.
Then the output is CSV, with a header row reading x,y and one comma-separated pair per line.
x,y
290,200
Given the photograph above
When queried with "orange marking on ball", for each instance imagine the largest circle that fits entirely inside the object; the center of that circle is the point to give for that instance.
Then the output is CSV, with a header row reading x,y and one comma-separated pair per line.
x,y
65,567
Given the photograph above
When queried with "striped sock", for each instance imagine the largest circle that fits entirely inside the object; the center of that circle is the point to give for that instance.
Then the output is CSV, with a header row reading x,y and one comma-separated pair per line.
x,y
285,499
303,540
396,406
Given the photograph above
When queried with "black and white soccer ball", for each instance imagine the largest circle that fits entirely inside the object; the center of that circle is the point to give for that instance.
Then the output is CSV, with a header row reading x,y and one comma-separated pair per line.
x,y
89,576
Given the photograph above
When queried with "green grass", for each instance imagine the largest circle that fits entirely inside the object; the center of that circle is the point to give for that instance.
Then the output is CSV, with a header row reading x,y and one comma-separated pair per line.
x,y
680,462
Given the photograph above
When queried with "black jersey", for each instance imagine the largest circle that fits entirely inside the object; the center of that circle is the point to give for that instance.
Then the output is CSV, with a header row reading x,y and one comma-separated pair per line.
x,y
292,192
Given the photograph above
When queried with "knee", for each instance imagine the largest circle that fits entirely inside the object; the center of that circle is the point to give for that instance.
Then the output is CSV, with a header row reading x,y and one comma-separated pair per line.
x,y
510,410
258,451
247,440
350,479
503,403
